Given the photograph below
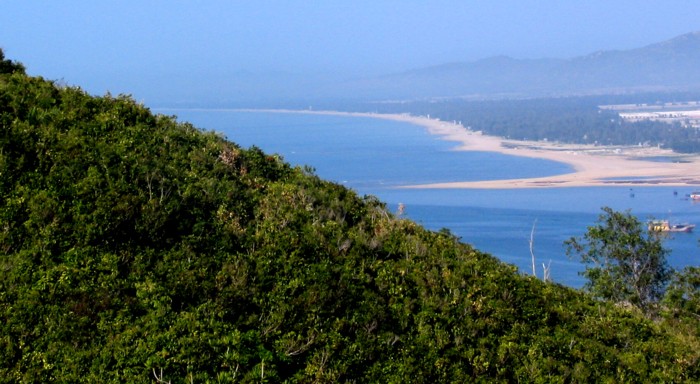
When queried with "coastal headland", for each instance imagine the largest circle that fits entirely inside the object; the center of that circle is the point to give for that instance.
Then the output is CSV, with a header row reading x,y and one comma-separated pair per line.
x,y
592,165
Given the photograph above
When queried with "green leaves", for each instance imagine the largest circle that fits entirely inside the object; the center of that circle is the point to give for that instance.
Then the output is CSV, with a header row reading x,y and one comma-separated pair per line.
x,y
624,261
134,248
9,66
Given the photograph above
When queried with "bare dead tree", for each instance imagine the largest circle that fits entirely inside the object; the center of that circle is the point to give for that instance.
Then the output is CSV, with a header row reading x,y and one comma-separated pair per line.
x,y
532,245
159,379
546,269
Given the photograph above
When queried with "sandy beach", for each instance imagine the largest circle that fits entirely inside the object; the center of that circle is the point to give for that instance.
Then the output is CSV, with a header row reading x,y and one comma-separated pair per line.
x,y
593,165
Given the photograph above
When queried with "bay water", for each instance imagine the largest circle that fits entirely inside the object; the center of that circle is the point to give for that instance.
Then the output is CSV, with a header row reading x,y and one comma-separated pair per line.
x,y
376,156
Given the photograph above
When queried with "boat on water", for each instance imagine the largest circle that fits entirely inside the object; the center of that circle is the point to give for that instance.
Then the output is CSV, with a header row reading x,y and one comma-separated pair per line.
x,y
666,226
695,195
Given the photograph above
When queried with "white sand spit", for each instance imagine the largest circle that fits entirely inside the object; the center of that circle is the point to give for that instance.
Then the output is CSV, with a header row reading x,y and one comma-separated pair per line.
x,y
593,165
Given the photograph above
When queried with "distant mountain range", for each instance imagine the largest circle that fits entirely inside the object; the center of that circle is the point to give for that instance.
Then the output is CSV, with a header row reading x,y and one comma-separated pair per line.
x,y
670,65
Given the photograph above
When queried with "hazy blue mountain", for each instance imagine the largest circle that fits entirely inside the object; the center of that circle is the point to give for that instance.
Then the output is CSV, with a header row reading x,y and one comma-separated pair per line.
x,y
669,65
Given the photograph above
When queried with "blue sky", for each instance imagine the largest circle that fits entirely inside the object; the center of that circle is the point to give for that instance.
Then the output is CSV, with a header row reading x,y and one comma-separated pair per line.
x,y
155,47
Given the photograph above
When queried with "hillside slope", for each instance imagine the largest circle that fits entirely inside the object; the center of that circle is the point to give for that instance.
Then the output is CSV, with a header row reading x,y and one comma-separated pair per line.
x,y
135,247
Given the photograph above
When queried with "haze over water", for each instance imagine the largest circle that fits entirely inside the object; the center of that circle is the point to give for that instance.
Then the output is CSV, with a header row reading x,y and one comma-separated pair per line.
x,y
374,156
189,53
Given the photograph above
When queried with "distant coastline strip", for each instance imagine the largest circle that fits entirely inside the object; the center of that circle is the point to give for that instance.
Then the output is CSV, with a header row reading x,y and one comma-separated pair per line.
x,y
593,165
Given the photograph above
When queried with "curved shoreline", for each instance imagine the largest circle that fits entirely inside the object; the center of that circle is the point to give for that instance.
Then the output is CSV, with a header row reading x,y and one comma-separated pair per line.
x,y
593,165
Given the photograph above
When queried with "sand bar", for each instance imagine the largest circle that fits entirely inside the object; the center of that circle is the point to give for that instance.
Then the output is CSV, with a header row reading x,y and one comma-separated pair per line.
x,y
593,165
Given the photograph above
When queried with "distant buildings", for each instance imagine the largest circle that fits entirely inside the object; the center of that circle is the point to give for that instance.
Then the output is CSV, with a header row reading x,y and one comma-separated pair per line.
x,y
687,114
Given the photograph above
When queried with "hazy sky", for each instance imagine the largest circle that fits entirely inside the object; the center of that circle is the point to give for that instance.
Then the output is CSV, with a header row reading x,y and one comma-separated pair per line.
x,y
138,47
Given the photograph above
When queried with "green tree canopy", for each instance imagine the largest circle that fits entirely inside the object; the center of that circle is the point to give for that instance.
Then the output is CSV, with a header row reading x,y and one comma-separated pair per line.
x,y
625,261
9,66
134,246
683,292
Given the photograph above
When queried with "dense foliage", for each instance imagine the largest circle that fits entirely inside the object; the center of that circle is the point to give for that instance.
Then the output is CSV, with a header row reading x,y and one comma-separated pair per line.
x,y
135,247
564,119
9,66
625,262
683,293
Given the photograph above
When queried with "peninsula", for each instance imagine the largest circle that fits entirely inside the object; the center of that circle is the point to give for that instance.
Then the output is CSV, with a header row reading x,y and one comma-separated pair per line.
x,y
593,165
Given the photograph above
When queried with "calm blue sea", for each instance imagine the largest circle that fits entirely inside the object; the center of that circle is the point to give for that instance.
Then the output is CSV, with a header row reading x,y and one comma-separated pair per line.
x,y
374,156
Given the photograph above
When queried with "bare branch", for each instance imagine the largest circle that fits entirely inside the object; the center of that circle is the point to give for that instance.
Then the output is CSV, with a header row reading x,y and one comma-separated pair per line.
x,y
159,379
532,251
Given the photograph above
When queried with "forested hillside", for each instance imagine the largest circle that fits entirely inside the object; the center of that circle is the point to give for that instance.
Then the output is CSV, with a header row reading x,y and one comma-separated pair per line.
x,y
136,248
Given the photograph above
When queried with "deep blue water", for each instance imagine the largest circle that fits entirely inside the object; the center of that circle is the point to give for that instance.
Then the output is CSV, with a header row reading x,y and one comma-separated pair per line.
x,y
501,221
364,153
374,156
